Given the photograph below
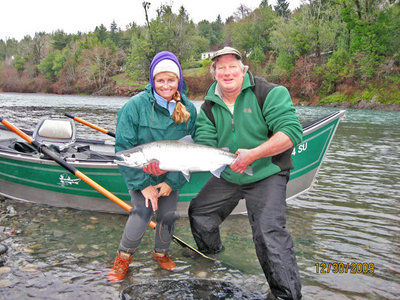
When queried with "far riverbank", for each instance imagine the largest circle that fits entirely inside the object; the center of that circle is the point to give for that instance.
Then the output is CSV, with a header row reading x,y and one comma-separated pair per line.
x,y
197,85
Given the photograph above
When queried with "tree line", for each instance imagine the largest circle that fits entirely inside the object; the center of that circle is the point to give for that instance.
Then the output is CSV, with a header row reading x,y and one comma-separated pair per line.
x,y
325,49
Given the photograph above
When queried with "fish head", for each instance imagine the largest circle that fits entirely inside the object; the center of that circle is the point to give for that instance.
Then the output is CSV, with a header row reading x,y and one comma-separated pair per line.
x,y
134,158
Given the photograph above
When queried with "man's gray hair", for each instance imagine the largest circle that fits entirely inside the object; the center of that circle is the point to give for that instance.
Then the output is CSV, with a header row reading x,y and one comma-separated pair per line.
x,y
242,66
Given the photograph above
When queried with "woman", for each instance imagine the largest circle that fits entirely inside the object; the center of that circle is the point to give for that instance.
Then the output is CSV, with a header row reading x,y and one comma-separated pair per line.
x,y
161,112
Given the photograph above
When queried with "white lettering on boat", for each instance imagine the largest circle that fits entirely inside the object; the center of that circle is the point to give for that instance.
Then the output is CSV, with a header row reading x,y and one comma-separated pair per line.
x,y
300,148
66,180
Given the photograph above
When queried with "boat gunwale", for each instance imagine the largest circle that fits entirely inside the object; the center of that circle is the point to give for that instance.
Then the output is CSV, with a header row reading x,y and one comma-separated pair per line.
x,y
312,126
25,157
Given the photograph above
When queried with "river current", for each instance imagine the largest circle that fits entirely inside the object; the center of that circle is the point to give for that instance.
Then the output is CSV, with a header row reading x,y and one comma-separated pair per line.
x,y
346,230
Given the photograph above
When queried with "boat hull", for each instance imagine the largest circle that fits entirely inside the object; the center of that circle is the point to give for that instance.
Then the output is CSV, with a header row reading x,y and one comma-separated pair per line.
x,y
29,178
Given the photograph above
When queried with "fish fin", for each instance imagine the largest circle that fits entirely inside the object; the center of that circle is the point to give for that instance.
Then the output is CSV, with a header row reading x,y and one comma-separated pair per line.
x,y
186,174
217,172
249,170
187,139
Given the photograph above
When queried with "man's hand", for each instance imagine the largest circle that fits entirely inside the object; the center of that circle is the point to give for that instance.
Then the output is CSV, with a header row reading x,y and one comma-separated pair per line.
x,y
151,194
153,168
278,143
164,189
245,158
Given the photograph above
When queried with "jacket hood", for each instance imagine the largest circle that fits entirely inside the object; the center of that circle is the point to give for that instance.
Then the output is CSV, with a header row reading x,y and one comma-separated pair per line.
x,y
161,56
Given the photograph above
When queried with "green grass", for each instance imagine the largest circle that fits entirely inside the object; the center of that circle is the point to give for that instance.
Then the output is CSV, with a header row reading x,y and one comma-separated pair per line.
x,y
390,94
336,97
123,79
195,72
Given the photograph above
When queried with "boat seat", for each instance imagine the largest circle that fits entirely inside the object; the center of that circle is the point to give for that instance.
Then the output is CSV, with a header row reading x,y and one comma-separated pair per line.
x,y
55,131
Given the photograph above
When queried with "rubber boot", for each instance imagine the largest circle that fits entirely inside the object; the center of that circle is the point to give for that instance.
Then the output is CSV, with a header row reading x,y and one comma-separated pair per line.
x,y
165,262
121,266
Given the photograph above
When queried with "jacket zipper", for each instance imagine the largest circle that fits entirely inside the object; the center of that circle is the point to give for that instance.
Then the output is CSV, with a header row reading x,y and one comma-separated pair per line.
x,y
234,142
234,136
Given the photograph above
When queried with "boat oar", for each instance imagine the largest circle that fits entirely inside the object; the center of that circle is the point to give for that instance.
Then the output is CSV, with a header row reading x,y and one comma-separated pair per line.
x,y
43,149
110,133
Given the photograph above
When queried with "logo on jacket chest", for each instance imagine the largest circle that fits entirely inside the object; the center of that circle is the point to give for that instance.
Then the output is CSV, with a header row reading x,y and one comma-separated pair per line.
x,y
247,110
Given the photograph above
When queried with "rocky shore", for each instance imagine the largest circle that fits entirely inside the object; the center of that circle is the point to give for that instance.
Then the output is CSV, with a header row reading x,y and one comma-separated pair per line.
x,y
363,104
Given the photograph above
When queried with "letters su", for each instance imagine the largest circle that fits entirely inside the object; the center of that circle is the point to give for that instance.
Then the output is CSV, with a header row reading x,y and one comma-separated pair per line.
x,y
300,148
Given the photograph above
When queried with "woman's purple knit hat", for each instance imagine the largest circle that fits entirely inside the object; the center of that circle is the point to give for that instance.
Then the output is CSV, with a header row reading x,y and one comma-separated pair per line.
x,y
161,56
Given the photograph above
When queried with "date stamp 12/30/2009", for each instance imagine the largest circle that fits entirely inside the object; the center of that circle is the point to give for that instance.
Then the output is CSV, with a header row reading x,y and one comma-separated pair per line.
x,y
345,268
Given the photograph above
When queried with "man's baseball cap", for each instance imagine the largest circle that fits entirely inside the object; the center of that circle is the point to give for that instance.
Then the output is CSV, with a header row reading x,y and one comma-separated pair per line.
x,y
225,51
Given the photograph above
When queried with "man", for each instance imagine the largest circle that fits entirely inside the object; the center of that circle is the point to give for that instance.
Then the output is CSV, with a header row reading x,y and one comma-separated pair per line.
x,y
260,124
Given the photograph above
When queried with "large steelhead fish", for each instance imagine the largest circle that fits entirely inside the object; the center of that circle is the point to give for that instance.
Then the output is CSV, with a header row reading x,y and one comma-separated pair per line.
x,y
179,155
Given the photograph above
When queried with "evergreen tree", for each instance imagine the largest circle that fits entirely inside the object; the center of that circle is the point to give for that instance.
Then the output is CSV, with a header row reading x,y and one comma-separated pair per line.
x,y
264,3
59,40
101,33
115,34
8,48
282,8
213,32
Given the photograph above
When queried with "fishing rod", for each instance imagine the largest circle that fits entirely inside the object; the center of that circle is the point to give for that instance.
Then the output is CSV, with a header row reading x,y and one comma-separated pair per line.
x,y
45,150
110,133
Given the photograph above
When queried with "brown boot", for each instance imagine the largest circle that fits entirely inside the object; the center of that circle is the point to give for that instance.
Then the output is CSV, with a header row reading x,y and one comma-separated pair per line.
x,y
121,265
165,262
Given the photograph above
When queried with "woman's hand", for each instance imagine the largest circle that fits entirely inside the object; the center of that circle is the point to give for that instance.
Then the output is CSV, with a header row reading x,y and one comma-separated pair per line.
x,y
151,194
153,168
165,189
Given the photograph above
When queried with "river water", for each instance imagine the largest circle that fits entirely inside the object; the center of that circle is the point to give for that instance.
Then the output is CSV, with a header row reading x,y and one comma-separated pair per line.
x,y
351,217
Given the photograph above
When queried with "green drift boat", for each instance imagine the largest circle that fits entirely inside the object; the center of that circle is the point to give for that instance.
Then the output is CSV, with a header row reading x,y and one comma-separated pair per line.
x,y
26,175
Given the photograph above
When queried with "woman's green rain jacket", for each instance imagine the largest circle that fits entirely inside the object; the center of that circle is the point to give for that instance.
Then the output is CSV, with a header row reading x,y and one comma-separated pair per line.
x,y
141,120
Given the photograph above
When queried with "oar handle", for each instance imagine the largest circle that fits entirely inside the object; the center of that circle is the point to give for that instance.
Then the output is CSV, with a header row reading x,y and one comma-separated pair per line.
x,y
110,133
18,131
65,165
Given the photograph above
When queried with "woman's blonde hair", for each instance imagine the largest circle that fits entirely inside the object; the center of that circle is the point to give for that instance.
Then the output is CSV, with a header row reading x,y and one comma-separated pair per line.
x,y
180,113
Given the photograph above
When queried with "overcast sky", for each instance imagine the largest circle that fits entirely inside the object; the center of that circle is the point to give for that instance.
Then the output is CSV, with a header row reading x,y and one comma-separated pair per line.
x,y
25,17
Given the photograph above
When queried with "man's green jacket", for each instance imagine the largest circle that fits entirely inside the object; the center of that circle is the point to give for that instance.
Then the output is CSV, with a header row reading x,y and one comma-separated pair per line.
x,y
249,126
